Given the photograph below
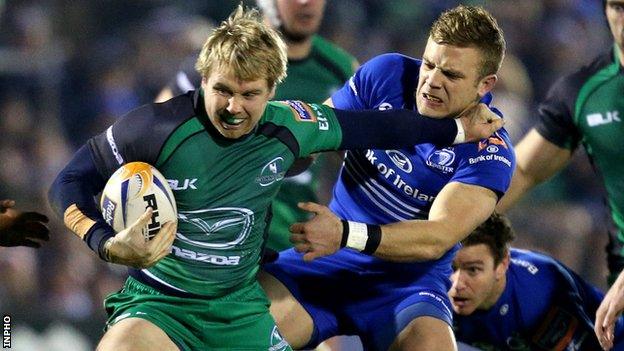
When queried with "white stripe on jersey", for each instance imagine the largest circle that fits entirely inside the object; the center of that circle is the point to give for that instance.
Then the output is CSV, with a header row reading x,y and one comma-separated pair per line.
x,y
113,146
378,194
149,274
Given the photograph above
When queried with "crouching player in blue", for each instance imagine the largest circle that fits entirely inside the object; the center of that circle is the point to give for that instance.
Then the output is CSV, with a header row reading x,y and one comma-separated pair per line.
x,y
403,210
510,299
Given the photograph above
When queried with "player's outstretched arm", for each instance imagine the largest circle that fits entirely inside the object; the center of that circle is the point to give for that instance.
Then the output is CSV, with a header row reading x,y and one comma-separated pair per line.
x,y
457,211
391,129
611,307
19,228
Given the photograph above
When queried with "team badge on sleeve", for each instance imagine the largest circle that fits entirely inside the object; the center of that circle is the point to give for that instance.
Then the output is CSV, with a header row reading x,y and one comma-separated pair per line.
x,y
301,110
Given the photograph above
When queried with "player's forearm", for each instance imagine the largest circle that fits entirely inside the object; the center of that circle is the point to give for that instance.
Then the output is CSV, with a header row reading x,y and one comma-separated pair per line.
x,y
408,241
71,197
416,240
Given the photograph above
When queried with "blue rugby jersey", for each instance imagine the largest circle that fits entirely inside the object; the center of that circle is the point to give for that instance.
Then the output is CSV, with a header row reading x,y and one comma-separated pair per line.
x,y
385,186
545,306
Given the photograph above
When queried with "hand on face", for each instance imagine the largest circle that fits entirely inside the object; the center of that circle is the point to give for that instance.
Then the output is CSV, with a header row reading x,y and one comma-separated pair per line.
x,y
480,122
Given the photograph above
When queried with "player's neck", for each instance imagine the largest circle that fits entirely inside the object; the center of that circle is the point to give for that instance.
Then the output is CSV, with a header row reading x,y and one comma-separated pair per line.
x,y
620,54
299,50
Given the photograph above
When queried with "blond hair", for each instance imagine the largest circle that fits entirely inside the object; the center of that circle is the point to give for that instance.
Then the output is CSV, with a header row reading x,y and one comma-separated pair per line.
x,y
246,47
472,26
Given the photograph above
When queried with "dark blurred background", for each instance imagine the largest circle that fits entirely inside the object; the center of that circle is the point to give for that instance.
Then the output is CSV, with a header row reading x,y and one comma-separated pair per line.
x,y
69,68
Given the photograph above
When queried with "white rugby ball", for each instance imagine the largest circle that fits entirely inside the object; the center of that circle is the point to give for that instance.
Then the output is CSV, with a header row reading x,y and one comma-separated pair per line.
x,y
133,188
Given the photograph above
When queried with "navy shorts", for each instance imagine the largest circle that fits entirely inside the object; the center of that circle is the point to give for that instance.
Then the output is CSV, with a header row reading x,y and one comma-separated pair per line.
x,y
347,295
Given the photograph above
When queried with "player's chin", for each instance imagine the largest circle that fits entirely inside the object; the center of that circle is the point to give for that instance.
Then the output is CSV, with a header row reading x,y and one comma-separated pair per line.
x,y
438,112
462,307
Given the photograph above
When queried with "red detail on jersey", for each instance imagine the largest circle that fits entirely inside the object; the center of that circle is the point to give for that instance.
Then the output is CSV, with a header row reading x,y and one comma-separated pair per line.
x,y
492,140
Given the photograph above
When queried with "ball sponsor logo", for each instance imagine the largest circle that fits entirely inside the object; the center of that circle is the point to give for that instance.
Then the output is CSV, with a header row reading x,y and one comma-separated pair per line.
x,y
108,210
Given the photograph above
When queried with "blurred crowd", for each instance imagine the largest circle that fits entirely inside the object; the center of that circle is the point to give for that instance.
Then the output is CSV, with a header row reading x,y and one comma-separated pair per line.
x,y
68,69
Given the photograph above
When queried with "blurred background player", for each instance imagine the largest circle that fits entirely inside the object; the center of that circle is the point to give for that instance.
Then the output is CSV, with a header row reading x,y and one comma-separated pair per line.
x,y
18,228
585,107
316,68
510,299
406,208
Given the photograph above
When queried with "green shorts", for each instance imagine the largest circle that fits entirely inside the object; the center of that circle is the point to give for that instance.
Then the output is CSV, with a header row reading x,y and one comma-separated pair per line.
x,y
238,321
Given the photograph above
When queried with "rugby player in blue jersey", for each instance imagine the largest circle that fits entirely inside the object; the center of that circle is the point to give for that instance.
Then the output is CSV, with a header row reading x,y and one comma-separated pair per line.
x,y
398,214
520,300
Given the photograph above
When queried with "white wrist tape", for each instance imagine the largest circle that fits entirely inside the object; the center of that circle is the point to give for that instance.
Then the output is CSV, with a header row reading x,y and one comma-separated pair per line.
x,y
461,133
358,235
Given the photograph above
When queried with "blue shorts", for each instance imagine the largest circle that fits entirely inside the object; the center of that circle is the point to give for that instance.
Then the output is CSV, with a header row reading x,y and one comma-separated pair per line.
x,y
347,295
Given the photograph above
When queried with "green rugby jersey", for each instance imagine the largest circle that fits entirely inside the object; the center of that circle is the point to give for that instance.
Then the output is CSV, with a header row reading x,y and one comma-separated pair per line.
x,y
316,77
587,107
223,187
313,78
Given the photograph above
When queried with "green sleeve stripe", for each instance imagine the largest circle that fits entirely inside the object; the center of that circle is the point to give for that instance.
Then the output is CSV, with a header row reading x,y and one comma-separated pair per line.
x,y
183,132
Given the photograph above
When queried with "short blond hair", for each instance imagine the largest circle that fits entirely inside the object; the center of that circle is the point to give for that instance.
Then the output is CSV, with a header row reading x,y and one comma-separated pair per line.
x,y
472,26
247,47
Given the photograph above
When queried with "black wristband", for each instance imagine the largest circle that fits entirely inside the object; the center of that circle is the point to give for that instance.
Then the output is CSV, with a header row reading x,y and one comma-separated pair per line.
x,y
97,236
345,233
374,239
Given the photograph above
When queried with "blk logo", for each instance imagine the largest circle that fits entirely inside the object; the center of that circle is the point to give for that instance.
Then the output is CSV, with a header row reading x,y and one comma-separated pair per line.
x,y
598,119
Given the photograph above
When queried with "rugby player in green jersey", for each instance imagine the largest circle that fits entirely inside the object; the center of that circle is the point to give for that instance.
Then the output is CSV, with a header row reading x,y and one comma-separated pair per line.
x,y
194,286
585,107
316,68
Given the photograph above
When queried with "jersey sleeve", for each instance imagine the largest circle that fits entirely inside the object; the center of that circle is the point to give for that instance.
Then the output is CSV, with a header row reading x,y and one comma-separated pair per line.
x,y
368,85
572,311
138,135
305,128
489,163
556,115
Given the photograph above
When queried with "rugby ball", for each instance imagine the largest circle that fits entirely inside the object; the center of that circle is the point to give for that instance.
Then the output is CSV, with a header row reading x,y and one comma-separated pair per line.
x,y
133,188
